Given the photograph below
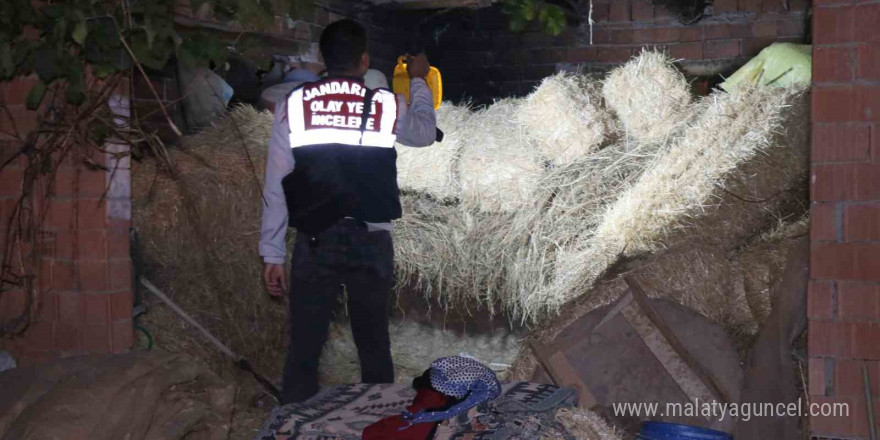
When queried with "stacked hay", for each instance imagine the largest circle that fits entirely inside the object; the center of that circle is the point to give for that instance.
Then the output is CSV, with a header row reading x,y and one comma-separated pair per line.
x,y
648,95
433,170
727,175
585,424
565,118
198,226
499,167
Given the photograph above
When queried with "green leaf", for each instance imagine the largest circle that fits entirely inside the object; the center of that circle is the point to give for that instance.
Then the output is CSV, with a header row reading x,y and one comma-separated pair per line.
x,y
53,11
553,20
104,70
80,32
518,23
35,96
151,33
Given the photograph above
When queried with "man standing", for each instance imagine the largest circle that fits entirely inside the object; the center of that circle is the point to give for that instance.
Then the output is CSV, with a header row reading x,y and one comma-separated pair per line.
x,y
331,173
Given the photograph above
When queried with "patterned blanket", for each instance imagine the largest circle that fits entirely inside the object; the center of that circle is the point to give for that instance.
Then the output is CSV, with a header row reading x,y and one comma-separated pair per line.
x,y
341,413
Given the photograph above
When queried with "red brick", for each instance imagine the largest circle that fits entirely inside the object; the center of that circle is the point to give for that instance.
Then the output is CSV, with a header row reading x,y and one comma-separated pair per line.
x,y
841,142
11,180
848,181
643,35
740,30
833,2
867,22
868,62
869,102
792,27
60,214
15,92
817,376
686,51
827,338
67,337
121,304
601,12
769,28
690,33
97,308
65,182
862,222
120,274
71,308
582,54
123,336
835,425
92,275
666,35
875,142
96,338
754,46
92,183
613,54
620,11
864,341
13,304
833,25
823,222
724,6
848,378
772,6
858,301
91,244
118,243
25,121
663,13
642,10
819,300
750,5
718,31
622,36
91,213
835,104
47,308
845,261
721,49
40,336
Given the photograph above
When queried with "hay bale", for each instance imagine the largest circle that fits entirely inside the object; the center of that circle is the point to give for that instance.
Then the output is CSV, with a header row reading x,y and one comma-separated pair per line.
x,y
451,253
433,170
565,118
414,346
499,167
198,229
648,95
722,180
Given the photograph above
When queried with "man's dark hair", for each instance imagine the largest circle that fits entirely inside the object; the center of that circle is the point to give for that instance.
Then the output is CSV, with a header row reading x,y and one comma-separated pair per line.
x,y
342,44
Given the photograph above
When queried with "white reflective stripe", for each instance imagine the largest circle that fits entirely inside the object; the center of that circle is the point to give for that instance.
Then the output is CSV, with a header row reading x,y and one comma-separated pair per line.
x,y
300,137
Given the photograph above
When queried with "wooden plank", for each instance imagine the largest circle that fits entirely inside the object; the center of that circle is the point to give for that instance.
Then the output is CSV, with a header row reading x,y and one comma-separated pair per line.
x,y
644,304
563,374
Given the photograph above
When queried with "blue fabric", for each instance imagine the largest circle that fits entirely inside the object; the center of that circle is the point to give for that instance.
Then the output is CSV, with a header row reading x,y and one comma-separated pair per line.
x,y
300,75
459,377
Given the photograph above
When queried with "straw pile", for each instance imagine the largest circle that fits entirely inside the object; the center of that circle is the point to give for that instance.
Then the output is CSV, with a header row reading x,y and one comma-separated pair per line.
x,y
199,225
565,118
648,95
500,167
731,170
433,170
585,424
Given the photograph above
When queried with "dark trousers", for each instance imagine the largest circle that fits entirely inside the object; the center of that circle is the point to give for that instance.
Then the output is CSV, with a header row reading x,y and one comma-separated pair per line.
x,y
348,255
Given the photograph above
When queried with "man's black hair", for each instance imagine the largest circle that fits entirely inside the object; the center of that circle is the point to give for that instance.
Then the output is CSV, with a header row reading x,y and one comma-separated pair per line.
x,y
342,44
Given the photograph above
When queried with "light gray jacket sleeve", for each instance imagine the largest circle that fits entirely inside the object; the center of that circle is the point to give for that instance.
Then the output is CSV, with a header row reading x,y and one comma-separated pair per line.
x,y
416,122
279,163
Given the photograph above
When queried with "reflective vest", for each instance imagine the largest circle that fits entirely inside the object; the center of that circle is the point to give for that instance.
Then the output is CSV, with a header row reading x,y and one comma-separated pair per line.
x,y
342,138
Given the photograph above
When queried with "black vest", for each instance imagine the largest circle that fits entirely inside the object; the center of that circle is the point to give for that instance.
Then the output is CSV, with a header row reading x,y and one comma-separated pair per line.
x,y
342,139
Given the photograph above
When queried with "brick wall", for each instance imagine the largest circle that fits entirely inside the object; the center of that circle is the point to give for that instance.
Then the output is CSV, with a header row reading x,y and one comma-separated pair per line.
x,y
844,294
84,287
481,59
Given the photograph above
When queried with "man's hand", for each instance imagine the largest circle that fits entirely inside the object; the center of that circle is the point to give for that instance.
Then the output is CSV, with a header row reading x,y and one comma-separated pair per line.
x,y
417,66
276,281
